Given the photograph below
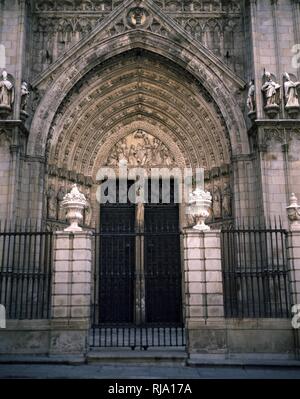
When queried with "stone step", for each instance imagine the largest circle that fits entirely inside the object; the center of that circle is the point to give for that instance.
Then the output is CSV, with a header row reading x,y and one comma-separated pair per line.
x,y
168,356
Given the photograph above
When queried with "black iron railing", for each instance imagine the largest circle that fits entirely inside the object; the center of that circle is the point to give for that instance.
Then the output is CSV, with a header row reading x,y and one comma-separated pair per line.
x,y
25,270
137,301
255,271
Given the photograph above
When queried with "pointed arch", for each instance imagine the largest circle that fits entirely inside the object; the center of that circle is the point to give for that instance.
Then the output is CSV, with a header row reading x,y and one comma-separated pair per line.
x,y
171,42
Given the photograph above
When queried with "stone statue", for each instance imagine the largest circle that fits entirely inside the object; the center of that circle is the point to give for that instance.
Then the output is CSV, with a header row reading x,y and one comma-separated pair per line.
x,y
216,204
291,93
87,212
271,92
24,95
51,203
270,89
6,92
251,97
60,210
226,202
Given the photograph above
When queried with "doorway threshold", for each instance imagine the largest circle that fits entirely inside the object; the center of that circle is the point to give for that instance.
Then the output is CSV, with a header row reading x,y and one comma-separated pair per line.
x,y
151,356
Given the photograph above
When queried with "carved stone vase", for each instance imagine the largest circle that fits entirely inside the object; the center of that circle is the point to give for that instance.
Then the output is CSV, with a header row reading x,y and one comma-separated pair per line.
x,y
199,205
74,202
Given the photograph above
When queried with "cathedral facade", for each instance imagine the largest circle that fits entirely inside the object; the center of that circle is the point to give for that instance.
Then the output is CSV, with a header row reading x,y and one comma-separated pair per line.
x,y
212,84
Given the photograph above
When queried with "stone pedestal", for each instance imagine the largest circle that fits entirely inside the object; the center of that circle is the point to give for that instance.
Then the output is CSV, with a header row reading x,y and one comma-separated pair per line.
x,y
71,291
205,321
294,271
294,264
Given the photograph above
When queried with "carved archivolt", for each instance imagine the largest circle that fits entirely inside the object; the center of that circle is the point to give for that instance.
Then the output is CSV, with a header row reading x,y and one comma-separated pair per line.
x,y
156,102
131,93
143,110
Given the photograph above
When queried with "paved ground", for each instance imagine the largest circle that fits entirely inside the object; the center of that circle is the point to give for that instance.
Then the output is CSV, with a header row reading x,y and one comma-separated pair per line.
x,y
147,372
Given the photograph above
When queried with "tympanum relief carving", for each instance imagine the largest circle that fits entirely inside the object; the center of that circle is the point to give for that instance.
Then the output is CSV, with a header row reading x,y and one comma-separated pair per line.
x,y
141,149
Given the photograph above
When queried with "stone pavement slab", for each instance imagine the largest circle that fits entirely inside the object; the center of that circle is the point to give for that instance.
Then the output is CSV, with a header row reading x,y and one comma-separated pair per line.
x,y
93,371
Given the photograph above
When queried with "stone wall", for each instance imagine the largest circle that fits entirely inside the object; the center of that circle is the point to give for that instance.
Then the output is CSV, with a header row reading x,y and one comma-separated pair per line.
x,y
5,175
59,25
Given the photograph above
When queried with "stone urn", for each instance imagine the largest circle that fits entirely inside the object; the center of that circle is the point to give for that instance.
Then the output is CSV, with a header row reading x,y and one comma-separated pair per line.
x,y
293,211
74,202
199,205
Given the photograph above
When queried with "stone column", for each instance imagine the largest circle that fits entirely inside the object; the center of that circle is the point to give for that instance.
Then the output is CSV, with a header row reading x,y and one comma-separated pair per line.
x,y
205,321
71,289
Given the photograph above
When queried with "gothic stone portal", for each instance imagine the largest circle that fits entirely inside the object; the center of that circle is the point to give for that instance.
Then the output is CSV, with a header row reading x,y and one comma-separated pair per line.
x,y
144,109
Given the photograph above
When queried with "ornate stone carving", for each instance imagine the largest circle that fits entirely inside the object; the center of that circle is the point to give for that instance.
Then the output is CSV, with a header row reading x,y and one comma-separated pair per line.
x,y
291,96
273,134
6,94
226,201
24,98
51,203
217,25
293,211
86,129
60,210
271,94
74,202
87,212
78,178
205,6
216,203
137,17
199,205
141,149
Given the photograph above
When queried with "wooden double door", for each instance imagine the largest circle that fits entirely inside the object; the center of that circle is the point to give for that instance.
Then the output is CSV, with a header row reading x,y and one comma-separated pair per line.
x,y
139,279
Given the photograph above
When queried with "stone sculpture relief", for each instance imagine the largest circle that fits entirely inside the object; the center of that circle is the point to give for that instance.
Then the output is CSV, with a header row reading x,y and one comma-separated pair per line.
x,y
60,196
291,95
24,95
271,93
51,203
226,201
141,149
251,103
6,93
24,98
168,5
216,203
137,17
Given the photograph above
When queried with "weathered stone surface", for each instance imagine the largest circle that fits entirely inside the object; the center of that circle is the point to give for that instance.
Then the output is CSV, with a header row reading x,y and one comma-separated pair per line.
x,y
99,76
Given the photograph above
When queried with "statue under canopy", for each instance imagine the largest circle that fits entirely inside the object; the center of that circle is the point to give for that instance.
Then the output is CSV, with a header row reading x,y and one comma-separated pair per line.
x,y
6,92
291,93
271,93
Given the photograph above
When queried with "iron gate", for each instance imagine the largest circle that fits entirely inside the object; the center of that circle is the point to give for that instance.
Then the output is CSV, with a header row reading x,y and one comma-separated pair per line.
x,y
255,271
25,270
137,301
